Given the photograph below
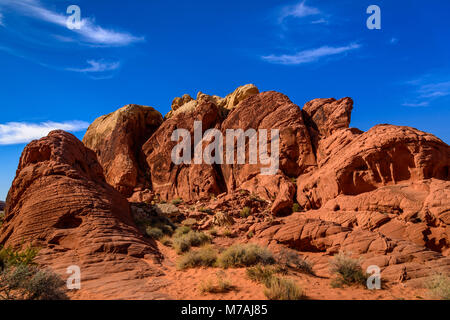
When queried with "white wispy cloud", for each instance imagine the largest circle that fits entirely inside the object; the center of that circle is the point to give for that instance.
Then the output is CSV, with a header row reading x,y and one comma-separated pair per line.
x,y
393,41
89,32
2,24
416,104
426,92
310,55
24,132
97,66
299,10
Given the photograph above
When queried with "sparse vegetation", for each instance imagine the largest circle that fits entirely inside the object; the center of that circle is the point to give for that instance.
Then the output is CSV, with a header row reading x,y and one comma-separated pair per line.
x,y
20,279
213,232
2,217
154,233
283,289
296,207
166,241
219,285
245,255
203,257
154,226
348,271
291,259
227,233
177,201
245,212
439,286
205,210
11,257
250,235
262,274
185,238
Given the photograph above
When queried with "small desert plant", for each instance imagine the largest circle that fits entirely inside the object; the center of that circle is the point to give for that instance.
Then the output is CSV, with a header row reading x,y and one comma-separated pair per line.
x,y
283,289
177,201
2,217
295,207
25,282
439,286
166,241
11,257
291,259
245,255
203,257
347,270
184,241
262,274
213,232
250,235
227,233
220,285
245,212
154,233
205,210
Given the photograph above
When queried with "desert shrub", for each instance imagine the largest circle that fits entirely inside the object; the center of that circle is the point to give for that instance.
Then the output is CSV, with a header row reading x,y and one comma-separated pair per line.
x,y
154,233
227,233
184,241
283,289
219,285
439,286
2,217
262,274
205,210
181,231
250,235
203,257
245,212
27,282
177,201
213,232
296,207
166,241
11,257
291,259
245,255
347,270
150,225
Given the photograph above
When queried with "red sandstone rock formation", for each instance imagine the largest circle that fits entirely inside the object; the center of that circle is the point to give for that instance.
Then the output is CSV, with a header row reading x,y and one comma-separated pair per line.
x,y
383,195
117,138
59,202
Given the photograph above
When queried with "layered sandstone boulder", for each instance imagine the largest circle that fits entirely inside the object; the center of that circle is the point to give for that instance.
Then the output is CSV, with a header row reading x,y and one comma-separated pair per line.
x,y
363,162
117,139
60,203
187,181
186,103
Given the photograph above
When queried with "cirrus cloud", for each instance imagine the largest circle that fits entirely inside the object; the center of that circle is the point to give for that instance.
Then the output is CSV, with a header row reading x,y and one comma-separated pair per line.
x,y
23,132
309,55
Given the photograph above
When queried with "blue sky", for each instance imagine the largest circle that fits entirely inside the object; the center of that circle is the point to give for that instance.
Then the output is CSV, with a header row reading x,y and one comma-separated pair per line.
x,y
149,51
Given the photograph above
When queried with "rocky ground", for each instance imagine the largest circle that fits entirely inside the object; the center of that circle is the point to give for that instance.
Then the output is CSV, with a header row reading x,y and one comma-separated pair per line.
x,y
382,196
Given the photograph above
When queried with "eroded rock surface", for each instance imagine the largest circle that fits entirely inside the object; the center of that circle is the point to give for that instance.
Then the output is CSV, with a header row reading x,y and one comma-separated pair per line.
x,y
60,202
117,139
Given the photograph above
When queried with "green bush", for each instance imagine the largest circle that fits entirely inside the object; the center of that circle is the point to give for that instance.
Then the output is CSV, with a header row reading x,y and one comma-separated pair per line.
x,y
439,286
203,257
261,274
245,212
245,255
296,207
11,257
347,270
184,239
154,233
25,282
283,289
